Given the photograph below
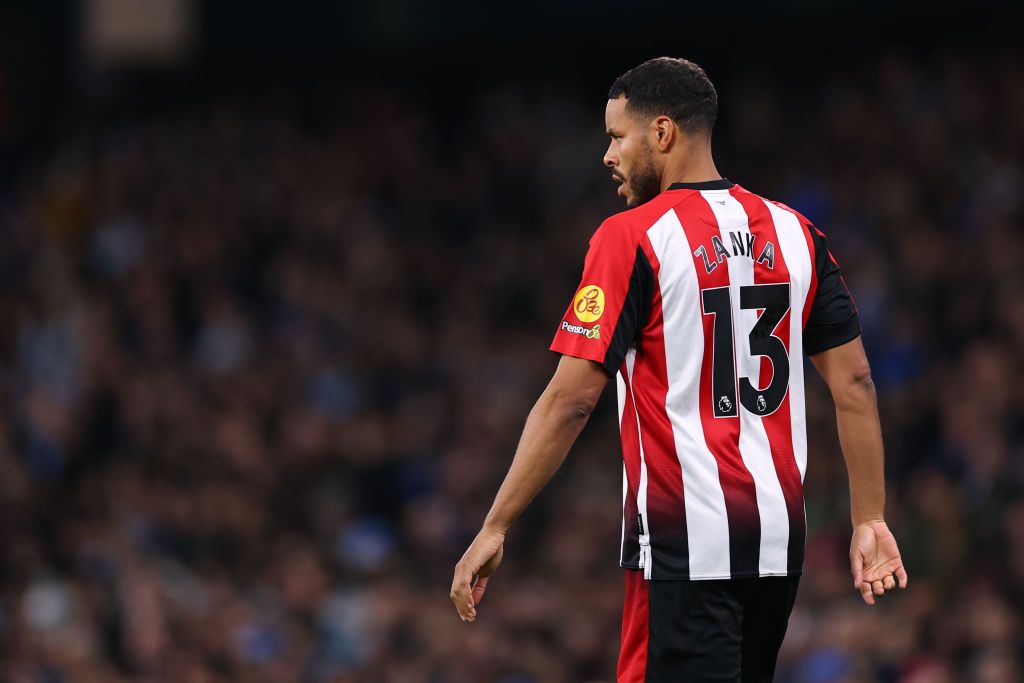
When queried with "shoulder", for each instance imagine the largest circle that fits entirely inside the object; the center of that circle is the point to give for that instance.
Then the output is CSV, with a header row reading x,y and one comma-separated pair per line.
x,y
804,220
811,232
816,240
632,225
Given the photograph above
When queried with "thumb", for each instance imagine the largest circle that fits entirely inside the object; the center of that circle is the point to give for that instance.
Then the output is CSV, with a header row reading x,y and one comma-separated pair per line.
x,y
857,566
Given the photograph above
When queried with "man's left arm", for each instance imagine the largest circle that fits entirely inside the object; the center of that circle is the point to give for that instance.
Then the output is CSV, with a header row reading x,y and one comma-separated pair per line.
x,y
554,423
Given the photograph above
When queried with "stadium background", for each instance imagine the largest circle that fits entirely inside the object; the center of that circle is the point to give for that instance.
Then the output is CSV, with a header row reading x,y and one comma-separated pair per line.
x,y
278,285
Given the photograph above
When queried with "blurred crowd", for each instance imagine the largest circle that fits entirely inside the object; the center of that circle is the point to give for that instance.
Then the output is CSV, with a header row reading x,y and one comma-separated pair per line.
x,y
266,357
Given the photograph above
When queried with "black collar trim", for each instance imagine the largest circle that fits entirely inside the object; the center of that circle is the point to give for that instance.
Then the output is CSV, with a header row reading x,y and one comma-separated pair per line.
x,y
721,184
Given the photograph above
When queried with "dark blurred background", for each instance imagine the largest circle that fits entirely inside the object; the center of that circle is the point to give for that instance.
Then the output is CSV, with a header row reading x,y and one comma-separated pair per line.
x,y
279,282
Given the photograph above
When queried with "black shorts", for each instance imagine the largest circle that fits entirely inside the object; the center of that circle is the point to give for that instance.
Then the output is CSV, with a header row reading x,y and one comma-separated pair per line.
x,y
719,631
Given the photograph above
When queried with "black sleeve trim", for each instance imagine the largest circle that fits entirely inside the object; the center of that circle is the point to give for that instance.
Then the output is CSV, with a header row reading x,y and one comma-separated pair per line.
x,y
830,337
635,310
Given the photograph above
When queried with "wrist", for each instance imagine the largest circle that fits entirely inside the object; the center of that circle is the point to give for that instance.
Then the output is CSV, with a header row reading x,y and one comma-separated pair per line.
x,y
494,526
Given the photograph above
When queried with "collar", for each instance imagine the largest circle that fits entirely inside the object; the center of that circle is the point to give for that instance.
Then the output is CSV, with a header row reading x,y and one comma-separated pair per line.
x,y
720,184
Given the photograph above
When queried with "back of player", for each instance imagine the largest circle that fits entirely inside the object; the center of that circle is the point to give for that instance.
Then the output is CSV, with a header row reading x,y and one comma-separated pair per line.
x,y
709,297
763,291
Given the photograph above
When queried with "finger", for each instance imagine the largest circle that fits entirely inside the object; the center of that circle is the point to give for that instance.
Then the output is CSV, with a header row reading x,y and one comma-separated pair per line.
x,y
878,572
856,568
876,587
461,593
458,596
470,601
865,592
478,590
888,583
901,576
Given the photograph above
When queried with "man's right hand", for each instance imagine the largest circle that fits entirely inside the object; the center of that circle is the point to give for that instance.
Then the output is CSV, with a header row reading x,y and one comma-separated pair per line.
x,y
875,561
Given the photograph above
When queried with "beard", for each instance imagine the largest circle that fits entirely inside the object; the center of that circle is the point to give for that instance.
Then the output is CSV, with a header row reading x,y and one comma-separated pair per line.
x,y
644,179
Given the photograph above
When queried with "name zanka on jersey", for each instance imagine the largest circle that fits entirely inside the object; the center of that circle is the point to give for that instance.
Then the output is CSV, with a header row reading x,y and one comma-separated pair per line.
x,y
742,243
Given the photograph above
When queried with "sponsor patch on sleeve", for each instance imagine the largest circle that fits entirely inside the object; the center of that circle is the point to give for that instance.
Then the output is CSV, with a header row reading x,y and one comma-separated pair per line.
x,y
588,304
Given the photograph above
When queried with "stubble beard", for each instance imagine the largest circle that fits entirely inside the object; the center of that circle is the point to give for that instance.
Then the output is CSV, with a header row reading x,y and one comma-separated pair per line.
x,y
644,180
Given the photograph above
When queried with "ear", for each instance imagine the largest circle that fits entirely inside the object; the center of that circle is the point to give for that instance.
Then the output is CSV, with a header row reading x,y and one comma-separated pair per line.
x,y
665,132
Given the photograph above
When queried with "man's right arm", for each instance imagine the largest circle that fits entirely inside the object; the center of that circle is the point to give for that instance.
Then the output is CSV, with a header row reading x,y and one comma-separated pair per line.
x,y
874,556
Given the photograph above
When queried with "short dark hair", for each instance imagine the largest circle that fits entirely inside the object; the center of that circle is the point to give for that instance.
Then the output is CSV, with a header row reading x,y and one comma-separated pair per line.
x,y
673,87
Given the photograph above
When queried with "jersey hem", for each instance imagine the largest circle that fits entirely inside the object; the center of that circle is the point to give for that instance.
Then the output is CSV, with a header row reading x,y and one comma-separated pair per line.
x,y
714,577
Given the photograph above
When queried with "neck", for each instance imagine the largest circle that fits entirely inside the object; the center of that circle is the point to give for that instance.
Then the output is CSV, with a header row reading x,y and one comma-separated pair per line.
x,y
695,167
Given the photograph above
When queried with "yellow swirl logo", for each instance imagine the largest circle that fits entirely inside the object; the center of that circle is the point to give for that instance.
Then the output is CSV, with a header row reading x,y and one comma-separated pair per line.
x,y
589,303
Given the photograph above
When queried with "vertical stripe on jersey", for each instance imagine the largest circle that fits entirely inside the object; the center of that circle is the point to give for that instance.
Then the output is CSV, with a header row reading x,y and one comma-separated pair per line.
x,y
707,517
778,425
800,263
630,547
642,492
755,439
625,511
797,249
812,287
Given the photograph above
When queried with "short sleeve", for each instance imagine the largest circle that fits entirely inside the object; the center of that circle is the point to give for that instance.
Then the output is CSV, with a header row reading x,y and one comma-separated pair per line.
x,y
612,302
833,320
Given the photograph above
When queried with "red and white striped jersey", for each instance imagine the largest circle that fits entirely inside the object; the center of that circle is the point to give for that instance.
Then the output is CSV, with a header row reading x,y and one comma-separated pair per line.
x,y
702,303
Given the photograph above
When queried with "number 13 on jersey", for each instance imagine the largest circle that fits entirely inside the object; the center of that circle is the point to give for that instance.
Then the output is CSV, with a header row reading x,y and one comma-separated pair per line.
x,y
773,302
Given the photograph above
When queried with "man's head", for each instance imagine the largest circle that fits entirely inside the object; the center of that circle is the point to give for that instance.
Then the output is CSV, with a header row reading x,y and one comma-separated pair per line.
x,y
663,109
